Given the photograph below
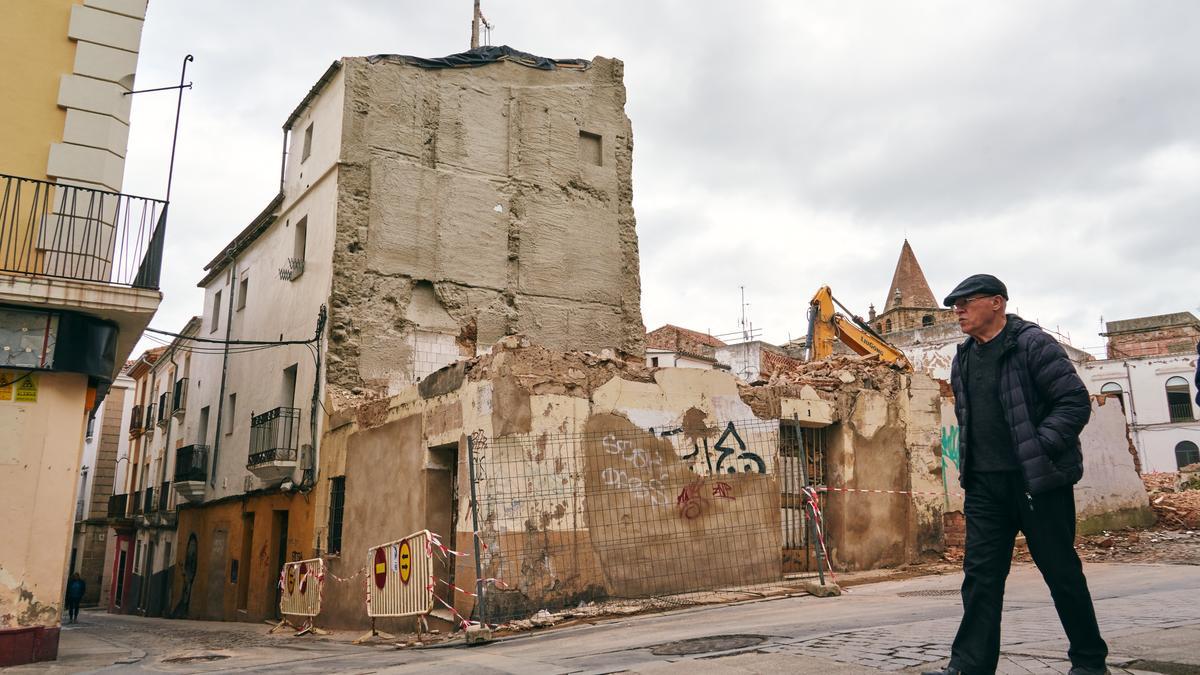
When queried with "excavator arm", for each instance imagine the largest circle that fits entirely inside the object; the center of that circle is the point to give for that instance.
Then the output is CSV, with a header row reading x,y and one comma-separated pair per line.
x,y
826,325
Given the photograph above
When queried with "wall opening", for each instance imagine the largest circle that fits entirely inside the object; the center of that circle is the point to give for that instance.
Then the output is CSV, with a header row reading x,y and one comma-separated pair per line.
x,y
279,534
591,148
246,554
441,508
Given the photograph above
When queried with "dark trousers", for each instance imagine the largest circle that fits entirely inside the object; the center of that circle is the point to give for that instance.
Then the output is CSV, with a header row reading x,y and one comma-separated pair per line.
x,y
996,507
73,608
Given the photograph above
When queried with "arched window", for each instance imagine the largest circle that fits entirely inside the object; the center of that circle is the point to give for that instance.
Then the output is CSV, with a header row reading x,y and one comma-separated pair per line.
x,y
1114,389
927,320
1186,453
1179,400
887,326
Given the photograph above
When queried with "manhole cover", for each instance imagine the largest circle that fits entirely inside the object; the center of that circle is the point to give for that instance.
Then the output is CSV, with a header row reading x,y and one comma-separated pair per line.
x,y
705,645
197,658
932,593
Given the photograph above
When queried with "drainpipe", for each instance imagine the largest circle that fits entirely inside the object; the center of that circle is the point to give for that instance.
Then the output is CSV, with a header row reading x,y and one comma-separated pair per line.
x,y
212,476
283,161
1137,436
310,476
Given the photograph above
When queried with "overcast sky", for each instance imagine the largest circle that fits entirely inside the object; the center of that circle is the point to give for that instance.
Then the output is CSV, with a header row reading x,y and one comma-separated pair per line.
x,y
778,146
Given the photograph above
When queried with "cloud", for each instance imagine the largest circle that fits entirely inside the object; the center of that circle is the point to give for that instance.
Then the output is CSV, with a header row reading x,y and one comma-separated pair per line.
x,y
778,146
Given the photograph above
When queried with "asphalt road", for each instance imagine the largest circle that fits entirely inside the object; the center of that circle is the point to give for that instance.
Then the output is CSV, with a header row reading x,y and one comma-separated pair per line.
x,y
1148,613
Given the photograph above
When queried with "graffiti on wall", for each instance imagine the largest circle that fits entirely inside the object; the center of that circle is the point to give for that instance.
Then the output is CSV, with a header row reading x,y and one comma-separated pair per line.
x,y
641,462
730,445
691,501
950,446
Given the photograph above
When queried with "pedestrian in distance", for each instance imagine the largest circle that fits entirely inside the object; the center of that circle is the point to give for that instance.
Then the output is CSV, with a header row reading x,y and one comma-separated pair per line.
x,y
1020,407
76,587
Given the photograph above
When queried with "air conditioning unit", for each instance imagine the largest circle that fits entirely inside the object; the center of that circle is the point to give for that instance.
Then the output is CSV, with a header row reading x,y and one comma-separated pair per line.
x,y
247,483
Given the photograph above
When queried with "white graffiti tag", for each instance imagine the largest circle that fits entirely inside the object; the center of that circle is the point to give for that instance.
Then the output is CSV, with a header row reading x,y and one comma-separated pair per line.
x,y
641,460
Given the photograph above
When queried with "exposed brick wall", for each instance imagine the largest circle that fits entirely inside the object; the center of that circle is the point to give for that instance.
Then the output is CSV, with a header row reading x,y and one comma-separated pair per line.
x,y
1154,342
682,340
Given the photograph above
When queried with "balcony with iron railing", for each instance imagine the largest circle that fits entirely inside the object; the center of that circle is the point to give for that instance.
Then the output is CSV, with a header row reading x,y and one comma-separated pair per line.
x,y
179,396
136,419
135,502
191,470
117,505
70,232
164,497
1181,412
149,425
274,444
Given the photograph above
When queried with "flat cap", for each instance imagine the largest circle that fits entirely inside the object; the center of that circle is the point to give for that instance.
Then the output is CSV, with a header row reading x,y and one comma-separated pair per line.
x,y
977,284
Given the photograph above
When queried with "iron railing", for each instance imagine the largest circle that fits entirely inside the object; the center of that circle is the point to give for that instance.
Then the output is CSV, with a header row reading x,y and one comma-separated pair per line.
x,y
179,399
117,505
149,418
274,436
1181,412
164,408
136,420
70,232
191,463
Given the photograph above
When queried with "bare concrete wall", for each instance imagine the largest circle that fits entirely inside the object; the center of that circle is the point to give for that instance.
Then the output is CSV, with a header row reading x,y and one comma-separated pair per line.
x,y
1110,495
505,192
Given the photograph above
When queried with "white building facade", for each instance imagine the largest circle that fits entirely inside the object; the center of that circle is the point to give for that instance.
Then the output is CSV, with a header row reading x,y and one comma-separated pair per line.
x,y
1158,396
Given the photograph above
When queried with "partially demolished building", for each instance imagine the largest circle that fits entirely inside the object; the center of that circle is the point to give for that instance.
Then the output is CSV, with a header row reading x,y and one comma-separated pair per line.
x,y
586,477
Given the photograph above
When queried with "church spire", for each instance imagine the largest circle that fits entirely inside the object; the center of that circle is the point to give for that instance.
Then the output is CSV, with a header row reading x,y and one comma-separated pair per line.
x,y
909,287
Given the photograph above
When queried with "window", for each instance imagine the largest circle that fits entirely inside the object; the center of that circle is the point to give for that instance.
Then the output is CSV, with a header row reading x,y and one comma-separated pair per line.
x,y
202,427
91,427
1186,453
887,326
215,320
927,320
229,423
337,501
243,288
1179,400
296,263
307,150
1114,389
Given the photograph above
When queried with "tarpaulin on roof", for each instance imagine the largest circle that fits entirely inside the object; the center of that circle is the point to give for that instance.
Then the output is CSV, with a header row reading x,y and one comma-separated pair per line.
x,y
482,56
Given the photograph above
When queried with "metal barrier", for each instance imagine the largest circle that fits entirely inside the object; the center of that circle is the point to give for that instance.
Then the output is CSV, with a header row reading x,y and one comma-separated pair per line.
x,y
300,587
400,577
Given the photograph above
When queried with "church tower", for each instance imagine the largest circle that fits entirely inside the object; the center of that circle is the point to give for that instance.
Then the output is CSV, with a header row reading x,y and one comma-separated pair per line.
x,y
910,302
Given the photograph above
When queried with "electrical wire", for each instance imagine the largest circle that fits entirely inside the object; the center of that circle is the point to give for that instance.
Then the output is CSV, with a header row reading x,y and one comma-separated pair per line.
x,y
232,342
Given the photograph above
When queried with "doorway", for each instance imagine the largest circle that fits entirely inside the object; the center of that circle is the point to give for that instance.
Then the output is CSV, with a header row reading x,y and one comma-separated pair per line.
x,y
279,530
441,510
245,556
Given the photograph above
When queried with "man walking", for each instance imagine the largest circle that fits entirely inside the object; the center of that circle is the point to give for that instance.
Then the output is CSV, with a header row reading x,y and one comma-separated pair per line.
x,y
1020,408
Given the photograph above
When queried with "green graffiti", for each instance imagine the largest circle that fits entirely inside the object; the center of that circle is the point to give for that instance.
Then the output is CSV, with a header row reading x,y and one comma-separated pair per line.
x,y
950,445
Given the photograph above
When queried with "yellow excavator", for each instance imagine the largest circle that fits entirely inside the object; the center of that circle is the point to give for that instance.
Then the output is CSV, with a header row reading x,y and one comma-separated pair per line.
x,y
826,324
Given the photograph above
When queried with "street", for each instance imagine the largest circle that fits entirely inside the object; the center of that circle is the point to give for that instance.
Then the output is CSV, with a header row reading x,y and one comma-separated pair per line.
x,y
1148,614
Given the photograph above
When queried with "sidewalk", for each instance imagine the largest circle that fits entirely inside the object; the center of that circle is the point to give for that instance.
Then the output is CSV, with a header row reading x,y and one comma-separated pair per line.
x,y
81,650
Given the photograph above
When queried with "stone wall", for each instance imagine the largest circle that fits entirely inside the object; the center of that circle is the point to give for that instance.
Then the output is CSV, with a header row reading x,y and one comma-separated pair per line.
x,y
476,203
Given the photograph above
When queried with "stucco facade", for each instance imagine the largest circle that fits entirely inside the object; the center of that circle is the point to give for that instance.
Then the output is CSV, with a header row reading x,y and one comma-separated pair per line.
x,y
1141,386
68,62
538,408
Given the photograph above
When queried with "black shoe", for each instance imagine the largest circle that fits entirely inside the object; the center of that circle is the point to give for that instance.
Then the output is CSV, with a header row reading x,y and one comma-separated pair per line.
x,y
1088,670
948,670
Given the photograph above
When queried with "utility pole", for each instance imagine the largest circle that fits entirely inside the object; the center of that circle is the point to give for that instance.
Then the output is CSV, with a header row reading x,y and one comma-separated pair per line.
x,y
475,26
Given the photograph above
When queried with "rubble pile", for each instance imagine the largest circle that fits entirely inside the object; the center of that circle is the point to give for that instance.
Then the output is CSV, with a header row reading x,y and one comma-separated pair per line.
x,y
833,373
1175,498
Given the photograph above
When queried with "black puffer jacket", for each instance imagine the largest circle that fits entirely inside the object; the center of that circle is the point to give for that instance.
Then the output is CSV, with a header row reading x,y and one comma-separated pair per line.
x,y
1044,401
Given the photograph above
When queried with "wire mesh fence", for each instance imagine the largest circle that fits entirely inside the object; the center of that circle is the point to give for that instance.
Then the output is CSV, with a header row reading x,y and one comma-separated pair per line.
x,y
620,512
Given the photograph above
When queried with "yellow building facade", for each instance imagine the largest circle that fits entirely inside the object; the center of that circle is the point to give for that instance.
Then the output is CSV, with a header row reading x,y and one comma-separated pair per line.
x,y
78,284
